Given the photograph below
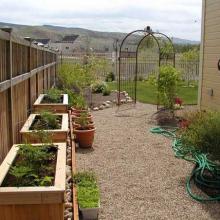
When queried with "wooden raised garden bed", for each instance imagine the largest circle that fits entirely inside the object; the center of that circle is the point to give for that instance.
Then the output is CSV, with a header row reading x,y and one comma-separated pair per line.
x,y
30,135
33,202
42,103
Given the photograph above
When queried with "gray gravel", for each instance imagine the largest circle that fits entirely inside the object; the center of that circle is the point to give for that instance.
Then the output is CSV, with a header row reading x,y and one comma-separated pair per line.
x,y
139,176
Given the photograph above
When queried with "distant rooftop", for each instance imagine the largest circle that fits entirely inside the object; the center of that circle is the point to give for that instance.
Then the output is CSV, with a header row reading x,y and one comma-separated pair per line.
x,y
44,41
68,39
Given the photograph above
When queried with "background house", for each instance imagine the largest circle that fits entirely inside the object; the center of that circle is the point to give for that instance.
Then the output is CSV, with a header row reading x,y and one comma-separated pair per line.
x,y
209,89
44,41
68,45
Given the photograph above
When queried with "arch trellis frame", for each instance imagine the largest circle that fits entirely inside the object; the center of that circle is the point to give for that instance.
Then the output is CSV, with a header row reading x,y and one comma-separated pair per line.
x,y
156,36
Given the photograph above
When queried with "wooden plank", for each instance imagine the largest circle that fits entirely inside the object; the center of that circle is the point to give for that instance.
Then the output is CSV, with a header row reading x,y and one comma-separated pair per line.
x,y
73,147
18,79
5,126
4,35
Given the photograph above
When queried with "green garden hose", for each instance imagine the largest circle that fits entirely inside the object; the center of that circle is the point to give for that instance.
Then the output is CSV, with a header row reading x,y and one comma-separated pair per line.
x,y
206,173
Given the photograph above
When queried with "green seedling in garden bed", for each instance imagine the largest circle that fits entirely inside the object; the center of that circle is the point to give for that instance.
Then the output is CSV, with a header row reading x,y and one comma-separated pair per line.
x,y
46,120
53,96
33,166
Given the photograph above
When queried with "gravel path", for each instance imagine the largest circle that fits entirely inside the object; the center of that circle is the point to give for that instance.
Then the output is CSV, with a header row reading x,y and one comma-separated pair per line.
x,y
139,176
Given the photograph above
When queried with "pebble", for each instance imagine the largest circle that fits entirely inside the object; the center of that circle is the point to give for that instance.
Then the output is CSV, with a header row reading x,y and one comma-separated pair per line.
x,y
69,162
68,170
68,179
107,106
69,215
101,107
68,205
95,109
108,102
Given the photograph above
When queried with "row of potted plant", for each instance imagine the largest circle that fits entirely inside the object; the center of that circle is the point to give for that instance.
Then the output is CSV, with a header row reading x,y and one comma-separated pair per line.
x,y
88,194
33,174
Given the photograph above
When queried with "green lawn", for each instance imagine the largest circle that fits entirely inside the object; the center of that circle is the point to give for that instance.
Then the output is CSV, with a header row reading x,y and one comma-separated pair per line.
x,y
147,93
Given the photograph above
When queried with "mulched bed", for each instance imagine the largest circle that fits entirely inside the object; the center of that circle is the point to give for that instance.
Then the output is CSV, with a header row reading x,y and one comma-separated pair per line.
x,y
40,124
47,100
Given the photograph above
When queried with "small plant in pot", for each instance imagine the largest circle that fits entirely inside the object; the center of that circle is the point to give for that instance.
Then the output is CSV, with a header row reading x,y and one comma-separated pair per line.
x,y
88,194
84,132
80,105
78,120
84,114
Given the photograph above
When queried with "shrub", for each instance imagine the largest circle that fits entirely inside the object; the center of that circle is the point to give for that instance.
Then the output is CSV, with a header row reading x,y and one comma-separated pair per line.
x,y
140,78
80,102
72,97
203,133
75,76
110,77
106,91
167,85
98,86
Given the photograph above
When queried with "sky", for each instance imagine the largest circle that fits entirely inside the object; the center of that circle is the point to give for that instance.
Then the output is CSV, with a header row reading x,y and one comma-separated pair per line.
x,y
176,18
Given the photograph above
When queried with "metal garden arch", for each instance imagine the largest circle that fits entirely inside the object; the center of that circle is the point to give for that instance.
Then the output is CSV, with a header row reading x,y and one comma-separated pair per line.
x,y
128,54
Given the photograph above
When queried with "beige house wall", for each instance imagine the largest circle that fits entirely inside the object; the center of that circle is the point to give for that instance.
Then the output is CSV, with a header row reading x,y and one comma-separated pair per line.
x,y
209,89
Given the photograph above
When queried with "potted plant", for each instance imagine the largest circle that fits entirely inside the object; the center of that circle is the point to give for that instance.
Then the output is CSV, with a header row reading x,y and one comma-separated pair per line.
x,y
32,182
54,101
77,120
80,105
55,125
77,115
84,131
88,194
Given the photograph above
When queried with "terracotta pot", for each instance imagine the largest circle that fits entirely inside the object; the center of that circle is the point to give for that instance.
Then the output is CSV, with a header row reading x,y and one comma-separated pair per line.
x,y
85,138
78,111
75,117
76,125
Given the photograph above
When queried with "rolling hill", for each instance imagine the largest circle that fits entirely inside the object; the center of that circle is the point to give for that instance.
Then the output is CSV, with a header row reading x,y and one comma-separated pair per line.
x,y
96,39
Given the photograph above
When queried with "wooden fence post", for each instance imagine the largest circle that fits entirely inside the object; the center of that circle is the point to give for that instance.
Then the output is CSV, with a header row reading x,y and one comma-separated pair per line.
x,y
29,69
10,72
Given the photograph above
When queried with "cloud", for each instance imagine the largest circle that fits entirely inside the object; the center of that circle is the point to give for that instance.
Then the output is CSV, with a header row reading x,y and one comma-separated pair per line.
x,y
177,18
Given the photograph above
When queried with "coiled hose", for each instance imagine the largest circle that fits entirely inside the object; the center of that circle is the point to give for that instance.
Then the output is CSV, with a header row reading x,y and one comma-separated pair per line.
x,y
205,174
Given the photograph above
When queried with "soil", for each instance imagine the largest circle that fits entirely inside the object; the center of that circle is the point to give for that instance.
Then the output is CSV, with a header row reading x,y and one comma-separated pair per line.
x,y
97,99
138,175
40,124
10,180
48,100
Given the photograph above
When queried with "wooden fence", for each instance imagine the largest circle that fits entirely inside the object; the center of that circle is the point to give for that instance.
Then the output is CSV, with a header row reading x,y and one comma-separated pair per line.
x,y
26,70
